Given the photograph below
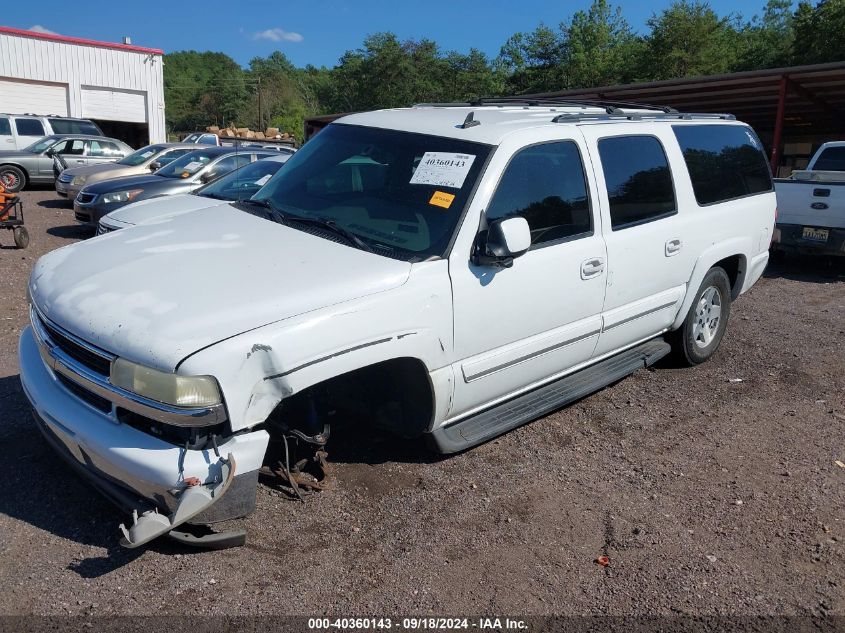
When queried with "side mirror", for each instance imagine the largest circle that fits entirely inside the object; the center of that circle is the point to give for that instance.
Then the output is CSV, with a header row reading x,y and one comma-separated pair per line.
x,y
207,177
504,240
155,165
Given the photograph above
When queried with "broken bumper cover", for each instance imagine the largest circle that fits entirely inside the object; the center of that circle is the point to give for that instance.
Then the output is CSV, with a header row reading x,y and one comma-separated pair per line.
x,y
135,470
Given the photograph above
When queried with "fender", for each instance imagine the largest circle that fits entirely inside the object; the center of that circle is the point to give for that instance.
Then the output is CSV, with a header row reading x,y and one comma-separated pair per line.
x,y
741,246
259,368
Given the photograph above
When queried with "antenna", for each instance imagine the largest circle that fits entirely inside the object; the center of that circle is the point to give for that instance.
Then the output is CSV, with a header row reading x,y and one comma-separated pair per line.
x,y
469,121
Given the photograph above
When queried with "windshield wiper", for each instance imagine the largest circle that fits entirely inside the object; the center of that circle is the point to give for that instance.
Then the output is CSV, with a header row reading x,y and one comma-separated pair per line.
x,y
273,213
335,228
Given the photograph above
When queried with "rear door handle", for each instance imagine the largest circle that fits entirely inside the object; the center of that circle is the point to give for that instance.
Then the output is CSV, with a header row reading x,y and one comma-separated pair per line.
x,y
673,247
592,268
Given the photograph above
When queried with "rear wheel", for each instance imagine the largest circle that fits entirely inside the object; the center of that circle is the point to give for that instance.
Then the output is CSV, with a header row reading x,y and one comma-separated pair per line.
x,y
707,319
12,178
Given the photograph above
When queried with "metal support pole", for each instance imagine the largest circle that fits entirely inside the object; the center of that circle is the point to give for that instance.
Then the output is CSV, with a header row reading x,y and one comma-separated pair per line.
x,y
778,137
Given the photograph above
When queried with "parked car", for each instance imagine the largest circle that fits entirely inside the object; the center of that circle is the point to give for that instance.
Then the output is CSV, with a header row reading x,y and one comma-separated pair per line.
x,y
447,273
285,145
240,184
18,131
142,161
188,172
34,164
811,205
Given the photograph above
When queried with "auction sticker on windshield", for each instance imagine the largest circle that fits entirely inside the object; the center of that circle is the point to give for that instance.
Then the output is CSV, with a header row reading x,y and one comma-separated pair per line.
x,y
443,169
193,166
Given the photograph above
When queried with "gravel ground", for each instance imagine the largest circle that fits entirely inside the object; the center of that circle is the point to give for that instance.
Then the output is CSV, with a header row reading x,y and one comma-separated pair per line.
x,y
710,495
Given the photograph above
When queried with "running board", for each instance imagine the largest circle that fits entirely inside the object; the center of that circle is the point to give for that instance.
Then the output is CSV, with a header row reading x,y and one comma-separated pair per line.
x,y
504,417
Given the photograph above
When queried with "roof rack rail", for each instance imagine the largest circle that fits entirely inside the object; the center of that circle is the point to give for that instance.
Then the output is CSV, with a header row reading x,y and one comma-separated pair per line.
x,y
571,117
609,106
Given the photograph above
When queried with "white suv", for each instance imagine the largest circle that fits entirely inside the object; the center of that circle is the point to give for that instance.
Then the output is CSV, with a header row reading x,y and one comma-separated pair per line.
x,y
21,130
443,272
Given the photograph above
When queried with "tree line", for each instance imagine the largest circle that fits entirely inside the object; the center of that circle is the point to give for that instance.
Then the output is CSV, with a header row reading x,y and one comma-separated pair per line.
x,y
595,47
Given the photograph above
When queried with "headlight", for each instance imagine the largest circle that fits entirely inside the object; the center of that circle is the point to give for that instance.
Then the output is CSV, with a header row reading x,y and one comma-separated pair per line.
x,y
180,391
121,196
78,181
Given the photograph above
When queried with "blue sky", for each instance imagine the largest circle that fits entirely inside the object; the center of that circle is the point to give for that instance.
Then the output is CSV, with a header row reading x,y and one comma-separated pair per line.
x,y
316,32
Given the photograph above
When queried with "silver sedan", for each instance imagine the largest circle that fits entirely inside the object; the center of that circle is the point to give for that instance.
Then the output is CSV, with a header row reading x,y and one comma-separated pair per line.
x,y
34,164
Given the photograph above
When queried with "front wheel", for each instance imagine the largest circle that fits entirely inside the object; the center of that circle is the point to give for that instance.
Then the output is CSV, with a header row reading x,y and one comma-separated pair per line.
x,y
707,319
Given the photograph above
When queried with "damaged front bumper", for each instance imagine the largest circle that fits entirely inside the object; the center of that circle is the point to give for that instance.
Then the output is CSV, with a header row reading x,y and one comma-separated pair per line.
x,y
140,473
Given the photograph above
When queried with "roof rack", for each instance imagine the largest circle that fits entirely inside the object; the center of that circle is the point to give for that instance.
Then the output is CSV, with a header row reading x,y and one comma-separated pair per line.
x,y
610,107
573,117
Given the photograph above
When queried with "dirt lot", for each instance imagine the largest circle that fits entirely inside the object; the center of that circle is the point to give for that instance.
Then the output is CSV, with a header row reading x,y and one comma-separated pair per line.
x,y
710,496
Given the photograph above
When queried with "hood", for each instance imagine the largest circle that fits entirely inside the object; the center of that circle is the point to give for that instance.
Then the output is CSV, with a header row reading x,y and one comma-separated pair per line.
x,y
143,181
159,209
159,292
89,170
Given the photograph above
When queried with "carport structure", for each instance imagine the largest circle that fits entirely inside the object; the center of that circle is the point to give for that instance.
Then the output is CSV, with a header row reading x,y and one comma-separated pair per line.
x,y
802,104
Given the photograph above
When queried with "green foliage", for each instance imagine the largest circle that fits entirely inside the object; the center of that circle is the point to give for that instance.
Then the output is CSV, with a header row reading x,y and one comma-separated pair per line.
x,y
689,39
820,30
592,48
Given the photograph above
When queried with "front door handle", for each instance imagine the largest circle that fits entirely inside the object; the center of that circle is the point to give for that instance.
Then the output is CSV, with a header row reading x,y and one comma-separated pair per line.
x,y
592,268
673,247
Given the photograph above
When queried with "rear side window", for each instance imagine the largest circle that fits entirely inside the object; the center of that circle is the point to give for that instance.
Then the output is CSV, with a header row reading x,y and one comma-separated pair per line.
x,y
638,180
724,161
169,157
831,159
545,184
73,126
5,127
29,127
103,148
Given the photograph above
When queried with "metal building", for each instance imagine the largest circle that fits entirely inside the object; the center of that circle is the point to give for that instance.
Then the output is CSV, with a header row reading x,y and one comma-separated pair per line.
x,y
118,86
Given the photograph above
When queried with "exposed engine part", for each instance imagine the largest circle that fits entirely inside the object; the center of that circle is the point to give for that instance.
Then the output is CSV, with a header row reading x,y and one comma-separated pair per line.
x,y
297,466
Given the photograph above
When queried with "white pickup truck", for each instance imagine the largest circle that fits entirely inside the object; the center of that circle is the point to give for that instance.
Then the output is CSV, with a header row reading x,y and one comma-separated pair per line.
x,y
811,205
443,272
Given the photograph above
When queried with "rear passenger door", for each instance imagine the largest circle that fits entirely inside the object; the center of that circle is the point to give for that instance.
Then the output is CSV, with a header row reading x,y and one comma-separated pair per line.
x,y
646,229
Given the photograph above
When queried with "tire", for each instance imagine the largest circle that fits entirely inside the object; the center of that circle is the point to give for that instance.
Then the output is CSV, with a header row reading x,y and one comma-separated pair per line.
x,y
700,335
12,178
21,236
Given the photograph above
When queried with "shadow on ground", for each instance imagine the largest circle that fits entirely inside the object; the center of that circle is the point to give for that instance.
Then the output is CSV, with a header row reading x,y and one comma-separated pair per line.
x,y
809,268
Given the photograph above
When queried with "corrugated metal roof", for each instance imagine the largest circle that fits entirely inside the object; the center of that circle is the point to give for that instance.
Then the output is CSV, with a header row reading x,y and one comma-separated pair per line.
x,y
815,98
54,37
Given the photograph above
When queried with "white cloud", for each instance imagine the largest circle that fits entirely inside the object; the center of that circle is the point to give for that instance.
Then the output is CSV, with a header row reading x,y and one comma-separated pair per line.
x,y
278,35
41,29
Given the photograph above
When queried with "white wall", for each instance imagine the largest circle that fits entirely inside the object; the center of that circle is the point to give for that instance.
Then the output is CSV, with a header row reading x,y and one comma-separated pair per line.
x,y
78,65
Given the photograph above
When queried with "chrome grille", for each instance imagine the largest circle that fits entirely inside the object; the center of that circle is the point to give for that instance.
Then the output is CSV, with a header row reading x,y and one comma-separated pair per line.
x,y
85,198
96,360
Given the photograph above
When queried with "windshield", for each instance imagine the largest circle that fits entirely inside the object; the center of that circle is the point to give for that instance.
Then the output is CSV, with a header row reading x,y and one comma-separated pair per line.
x,y
142,155
187,165
39,146
242,183
402,193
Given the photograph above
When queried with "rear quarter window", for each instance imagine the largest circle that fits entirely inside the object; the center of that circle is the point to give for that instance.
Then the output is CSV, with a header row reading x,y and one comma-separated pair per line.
x,y
74,126
725,162
831,159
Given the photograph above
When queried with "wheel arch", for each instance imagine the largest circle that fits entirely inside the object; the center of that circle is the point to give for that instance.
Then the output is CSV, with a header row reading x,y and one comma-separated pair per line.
x,y
730,255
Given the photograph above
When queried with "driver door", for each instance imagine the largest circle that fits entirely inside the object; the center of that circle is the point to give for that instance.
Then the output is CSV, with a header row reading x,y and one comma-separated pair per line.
x,y
518,327
71,150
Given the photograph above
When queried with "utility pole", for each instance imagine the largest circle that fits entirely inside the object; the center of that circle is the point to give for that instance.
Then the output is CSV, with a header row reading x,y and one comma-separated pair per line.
x,y
260,118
